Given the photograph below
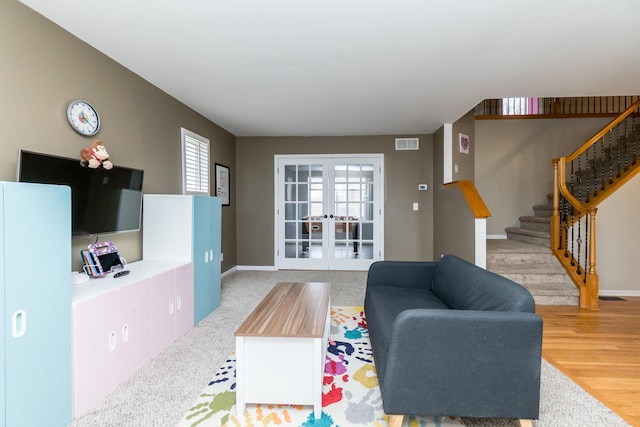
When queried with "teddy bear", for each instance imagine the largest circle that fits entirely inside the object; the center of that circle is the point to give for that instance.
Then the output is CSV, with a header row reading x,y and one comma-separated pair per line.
x,y
95,155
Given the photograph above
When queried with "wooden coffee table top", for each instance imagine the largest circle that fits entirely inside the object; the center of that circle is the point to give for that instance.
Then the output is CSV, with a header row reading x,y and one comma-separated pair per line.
x,y
290,309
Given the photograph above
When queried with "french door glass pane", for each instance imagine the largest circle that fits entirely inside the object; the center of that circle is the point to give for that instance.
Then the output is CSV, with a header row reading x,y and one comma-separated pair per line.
x,y
353,204
304,194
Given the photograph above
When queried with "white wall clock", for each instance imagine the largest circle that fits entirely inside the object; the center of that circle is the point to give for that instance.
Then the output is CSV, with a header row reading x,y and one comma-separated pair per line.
x,y
83,118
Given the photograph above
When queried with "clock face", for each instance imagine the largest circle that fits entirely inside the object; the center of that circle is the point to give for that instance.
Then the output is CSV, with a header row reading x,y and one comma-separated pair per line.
x,y
83,118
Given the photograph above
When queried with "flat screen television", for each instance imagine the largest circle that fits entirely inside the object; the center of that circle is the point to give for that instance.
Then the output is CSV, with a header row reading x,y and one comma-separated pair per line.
x,y
102,201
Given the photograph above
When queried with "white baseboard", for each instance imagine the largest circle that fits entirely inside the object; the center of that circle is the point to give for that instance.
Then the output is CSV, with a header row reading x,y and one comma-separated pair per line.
x,y
256,267
247,268
496,236
619,293
228,272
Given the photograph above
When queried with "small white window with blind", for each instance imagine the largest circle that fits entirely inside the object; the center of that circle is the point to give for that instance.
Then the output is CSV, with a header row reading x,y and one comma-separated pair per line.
x,y
195,163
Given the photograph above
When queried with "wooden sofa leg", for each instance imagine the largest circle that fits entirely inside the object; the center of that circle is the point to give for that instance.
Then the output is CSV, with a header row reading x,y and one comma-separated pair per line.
x,y
395,420
525,423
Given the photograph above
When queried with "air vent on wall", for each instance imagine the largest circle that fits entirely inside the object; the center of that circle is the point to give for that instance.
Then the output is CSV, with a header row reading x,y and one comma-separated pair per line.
x,y
407,143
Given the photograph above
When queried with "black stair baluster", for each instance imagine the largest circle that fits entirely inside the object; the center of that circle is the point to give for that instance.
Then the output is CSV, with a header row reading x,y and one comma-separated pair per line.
x,y
579,242
610,159
573,263
626,145
633,139
618,150
586,247
603,165
587,174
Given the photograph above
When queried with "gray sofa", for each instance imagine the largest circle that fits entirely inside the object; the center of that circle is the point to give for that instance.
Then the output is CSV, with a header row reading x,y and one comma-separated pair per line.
x,y
451,338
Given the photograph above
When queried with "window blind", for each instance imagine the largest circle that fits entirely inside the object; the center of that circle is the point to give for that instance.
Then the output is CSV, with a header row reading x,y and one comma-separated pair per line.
x,y
195,160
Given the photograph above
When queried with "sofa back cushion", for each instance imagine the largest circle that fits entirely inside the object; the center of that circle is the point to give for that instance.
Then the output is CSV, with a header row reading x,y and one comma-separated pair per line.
x,y
465,286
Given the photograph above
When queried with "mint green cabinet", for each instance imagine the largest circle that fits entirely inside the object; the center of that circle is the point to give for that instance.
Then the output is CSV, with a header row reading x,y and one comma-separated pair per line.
x,y
35,271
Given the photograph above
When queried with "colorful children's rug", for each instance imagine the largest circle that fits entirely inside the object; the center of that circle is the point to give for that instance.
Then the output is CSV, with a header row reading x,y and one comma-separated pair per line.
x,y
351,396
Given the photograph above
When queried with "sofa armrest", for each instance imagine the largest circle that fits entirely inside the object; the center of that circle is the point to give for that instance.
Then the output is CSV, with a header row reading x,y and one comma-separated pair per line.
x,y
411,274
465,363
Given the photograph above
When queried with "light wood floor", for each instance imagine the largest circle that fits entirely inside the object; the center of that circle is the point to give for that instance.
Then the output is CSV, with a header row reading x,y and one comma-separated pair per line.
x,y
599,350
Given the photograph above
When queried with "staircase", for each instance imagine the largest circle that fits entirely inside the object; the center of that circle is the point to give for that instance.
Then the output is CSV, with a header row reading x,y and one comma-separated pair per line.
x,y
525,258
554,256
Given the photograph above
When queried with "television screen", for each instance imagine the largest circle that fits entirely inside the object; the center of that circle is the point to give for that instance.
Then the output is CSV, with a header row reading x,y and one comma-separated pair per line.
x,y
102,201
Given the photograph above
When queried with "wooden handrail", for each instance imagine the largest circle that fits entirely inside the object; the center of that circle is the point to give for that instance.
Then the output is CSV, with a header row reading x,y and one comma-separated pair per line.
x,y
602,132
586,280
583,207
473,198
563,186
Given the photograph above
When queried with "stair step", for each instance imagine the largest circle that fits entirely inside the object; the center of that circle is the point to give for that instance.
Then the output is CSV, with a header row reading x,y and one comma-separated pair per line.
x,y
543,210
543,275
516,252
534,237
535,223
573,301
534,267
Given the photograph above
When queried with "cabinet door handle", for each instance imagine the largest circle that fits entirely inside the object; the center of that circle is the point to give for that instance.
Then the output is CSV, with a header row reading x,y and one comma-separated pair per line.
x,y
211,254
171,307
178,302
125,333
19,324
206,256
113,341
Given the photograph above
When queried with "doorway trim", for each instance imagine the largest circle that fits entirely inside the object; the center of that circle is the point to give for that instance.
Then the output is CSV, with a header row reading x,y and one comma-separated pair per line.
x,y
276,229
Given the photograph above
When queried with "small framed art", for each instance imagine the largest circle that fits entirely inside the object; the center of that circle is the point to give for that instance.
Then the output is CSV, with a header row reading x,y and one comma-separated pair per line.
x,y
223,182
464,143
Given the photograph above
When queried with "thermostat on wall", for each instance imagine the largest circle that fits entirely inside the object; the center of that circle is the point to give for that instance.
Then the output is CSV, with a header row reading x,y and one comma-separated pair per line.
x,y
422,187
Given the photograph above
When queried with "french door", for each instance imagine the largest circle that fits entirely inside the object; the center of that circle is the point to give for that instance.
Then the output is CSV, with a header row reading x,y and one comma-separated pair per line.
x,y
329,211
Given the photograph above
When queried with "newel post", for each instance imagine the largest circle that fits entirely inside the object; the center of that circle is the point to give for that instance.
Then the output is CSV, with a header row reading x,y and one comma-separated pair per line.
x,y
592,291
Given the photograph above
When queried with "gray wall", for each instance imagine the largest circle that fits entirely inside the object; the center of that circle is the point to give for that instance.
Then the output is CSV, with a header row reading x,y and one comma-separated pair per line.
x,y
454,224
408,234
45,67
513,162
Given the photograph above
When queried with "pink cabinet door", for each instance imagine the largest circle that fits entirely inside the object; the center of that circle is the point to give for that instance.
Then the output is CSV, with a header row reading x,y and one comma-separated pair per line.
x,y
135,326
163,311
96,341
184,299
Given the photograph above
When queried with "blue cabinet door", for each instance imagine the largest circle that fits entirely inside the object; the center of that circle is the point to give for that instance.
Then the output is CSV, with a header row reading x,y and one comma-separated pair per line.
x,y
37,268
215,234
207,218
2,311
201,254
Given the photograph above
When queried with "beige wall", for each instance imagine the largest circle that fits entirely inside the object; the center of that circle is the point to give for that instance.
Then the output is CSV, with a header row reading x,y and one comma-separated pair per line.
x,y
454,225
466,162
45,67
408,234
513,163
618,241
514,172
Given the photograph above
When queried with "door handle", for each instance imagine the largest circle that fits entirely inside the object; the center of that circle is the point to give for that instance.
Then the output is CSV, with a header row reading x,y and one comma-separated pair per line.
x,y
19,324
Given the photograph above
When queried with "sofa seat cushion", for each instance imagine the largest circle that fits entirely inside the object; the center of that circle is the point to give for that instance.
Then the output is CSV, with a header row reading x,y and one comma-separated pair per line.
x,y
382,305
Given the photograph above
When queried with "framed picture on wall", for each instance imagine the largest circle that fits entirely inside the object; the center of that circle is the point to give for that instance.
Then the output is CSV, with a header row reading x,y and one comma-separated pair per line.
x,y
223,182
464,143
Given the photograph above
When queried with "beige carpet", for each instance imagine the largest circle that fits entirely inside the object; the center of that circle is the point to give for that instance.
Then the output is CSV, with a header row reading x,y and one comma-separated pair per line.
x,y
162,392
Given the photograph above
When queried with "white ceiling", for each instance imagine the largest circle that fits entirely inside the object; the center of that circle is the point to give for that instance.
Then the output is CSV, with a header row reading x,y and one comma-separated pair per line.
x,y
360,67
